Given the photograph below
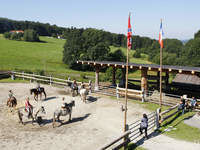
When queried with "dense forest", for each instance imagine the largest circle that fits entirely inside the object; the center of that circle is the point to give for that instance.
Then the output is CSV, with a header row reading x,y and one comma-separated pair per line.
x,y
93,44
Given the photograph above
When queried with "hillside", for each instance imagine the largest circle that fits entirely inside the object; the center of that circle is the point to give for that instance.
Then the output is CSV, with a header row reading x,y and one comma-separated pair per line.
x,y
45,56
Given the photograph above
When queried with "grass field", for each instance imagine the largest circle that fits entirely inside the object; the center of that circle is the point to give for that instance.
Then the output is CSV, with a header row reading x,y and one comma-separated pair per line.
x,y
34,56
45,56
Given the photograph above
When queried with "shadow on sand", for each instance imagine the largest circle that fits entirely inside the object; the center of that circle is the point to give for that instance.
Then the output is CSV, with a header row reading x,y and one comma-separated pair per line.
x,y
77,119
49,98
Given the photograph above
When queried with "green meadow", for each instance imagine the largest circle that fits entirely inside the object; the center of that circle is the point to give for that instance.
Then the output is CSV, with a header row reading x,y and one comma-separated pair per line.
x,y
46,56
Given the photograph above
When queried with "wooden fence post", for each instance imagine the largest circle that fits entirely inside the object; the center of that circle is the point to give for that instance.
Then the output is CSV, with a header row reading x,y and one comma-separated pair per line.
x,y
50,79
143,95
23,75
126,138
158,118
117,91
13,76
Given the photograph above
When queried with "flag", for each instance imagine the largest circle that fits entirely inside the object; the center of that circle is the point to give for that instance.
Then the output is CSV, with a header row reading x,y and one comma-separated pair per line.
x,y
161,35
129,34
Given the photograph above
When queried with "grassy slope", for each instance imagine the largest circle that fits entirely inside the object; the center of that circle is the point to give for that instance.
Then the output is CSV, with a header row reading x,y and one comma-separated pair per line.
x,y
33,56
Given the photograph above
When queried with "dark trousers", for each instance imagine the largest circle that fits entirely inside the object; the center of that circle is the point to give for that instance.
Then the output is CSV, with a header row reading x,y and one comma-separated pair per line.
x,y
145,131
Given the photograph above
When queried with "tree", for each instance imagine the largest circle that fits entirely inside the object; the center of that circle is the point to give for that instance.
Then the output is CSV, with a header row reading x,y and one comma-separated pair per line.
x,y
73,48
31,36
7,35
98,52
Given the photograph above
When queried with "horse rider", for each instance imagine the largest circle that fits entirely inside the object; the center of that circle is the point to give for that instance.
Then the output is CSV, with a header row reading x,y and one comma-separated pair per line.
x,y
28,107
193,102
10,94
74,86
82,85
64,105
38,87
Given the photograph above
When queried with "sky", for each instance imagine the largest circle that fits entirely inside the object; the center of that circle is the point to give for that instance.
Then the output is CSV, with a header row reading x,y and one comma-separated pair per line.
x,y
180,17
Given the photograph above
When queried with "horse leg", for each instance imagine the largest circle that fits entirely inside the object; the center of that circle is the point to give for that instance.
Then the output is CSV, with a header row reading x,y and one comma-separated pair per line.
x,y
20,117
54,120
45,94
69,117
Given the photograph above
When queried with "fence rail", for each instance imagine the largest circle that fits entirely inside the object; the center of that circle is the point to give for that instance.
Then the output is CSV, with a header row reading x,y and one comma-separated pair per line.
x,y
131,134
48,79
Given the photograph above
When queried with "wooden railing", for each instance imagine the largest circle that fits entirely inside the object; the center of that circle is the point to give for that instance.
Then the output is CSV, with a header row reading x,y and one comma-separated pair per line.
x,y
47,79
132,134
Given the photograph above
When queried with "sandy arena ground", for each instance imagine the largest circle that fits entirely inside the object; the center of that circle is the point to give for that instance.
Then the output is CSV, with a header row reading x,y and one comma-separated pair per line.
x,y
93,124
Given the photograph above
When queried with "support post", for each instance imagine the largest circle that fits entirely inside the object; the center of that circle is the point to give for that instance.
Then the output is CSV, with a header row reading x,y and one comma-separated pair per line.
x,y
50,80
158,118
96,87
113,76
167,80
13,76
117,91
144,84
23,75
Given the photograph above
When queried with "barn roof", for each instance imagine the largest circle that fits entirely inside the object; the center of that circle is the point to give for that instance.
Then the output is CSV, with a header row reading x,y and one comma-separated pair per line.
x,y
153,67
187,79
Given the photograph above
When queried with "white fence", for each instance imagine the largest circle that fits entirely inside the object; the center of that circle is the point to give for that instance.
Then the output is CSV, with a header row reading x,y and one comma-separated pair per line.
x,y
49,80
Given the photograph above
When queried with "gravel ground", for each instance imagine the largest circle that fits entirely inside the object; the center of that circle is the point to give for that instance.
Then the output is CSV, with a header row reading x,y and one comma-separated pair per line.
x,y
93,124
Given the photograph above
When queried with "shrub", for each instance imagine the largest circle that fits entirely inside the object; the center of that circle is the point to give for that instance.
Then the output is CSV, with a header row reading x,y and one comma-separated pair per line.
x,y
7,35
137,54
31,36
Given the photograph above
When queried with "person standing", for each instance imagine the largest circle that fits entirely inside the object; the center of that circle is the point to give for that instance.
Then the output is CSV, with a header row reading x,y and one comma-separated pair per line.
x,y
144,125
28,107
182,104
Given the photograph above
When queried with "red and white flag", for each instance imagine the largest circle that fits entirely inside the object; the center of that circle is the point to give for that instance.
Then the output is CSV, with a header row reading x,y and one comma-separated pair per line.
x,y
129,34
161,35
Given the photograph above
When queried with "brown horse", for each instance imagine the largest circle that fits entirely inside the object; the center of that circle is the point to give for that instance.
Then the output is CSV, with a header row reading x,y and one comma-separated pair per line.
x,y
36,93
12,102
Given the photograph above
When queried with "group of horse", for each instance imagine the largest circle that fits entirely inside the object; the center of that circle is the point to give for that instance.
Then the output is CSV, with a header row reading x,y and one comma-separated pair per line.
x,y
36,114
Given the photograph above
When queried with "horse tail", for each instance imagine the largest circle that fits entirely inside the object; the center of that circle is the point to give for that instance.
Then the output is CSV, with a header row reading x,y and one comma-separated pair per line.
x,y
31,91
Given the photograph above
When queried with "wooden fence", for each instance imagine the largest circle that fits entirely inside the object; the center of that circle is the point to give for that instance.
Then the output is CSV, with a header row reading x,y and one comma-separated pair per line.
x,y
47,79
132,134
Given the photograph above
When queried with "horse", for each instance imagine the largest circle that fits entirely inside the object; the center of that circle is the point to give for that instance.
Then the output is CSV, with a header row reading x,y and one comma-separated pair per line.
x,y
12,102
22,112
36,93
83,94
67,110
74,91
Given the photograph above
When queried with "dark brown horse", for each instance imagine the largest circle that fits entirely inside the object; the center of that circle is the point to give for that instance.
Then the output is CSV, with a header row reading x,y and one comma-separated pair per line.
x,y
37,92
12,102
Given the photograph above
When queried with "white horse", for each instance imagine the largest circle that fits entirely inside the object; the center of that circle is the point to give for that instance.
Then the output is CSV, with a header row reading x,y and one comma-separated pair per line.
x,y
83,94
67,110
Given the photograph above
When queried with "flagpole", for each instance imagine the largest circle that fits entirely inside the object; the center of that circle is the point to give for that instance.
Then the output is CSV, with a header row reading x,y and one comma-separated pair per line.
x,y
125,112
161,75
127,52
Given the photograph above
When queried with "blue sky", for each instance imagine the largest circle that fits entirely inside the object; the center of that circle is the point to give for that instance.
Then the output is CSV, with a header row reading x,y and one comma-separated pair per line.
x,y
180,17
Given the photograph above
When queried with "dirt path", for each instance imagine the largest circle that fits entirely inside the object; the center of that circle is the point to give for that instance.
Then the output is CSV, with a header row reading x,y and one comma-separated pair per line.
x,y
93,125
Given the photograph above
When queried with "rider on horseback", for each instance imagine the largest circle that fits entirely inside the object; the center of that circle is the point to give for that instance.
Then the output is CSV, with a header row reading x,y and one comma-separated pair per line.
x,y
38,87
74,86
10,94
64,105
28,107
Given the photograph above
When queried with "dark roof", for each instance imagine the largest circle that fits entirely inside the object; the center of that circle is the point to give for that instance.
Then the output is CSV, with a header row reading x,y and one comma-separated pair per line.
x,y
187,79
153,67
